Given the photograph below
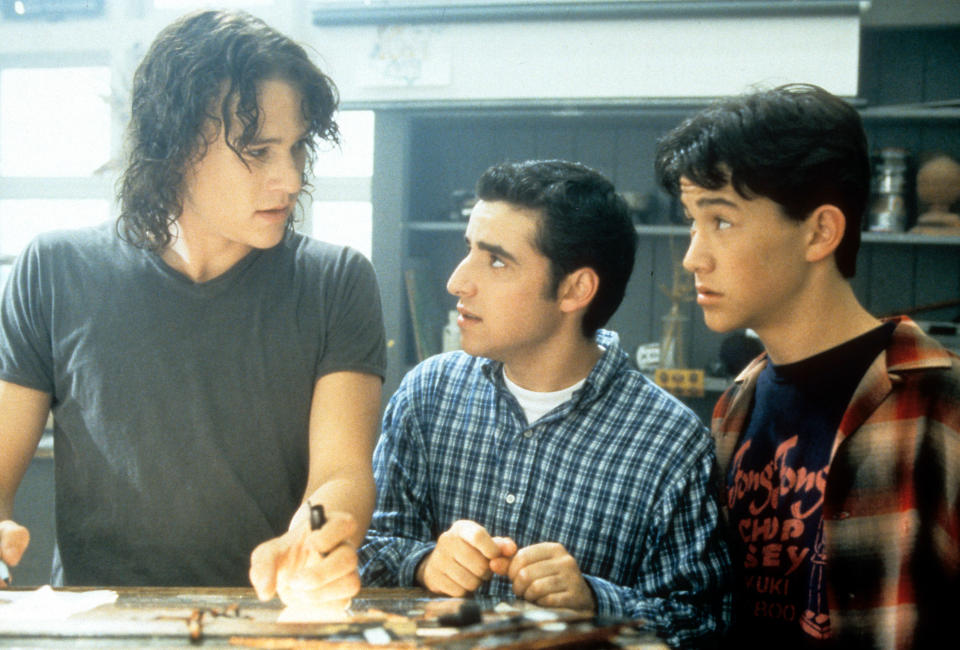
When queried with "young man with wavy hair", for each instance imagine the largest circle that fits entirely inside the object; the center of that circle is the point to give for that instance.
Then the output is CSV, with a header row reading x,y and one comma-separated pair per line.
x,y
210,370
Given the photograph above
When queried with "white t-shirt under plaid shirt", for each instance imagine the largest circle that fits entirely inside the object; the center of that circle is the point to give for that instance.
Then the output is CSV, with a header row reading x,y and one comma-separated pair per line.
x,y
621,475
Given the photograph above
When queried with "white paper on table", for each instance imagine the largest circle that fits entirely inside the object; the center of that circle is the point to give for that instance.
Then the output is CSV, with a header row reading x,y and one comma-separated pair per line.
x,y
47,604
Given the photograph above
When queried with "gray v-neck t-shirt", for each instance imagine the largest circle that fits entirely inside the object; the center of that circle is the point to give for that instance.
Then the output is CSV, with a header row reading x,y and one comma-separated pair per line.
x,y
181,409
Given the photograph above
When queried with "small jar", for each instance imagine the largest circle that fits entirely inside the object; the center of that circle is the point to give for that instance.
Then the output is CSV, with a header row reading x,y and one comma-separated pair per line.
x,y
888,207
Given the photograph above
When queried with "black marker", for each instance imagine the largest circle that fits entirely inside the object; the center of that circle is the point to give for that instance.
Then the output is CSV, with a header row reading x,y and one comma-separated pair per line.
x,y
5,574
317,517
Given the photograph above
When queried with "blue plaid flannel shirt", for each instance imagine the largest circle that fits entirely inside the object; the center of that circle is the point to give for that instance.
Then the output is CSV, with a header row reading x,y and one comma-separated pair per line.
x,y
621,475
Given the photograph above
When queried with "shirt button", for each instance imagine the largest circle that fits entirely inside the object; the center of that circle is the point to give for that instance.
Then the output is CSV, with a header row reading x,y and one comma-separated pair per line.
x,y
510,498
528,434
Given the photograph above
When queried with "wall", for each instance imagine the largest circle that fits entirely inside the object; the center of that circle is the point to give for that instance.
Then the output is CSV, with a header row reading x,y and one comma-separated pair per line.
x,y
664,57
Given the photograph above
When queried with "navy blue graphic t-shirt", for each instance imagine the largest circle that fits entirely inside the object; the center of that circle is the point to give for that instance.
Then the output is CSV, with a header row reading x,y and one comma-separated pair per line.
x,y
775,489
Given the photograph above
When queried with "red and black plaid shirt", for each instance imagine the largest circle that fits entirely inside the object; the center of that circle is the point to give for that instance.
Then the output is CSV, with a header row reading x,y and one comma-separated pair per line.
x,y
892,501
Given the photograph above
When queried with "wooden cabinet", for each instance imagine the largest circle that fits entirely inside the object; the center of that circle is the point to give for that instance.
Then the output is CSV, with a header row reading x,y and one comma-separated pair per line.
x,y
435,152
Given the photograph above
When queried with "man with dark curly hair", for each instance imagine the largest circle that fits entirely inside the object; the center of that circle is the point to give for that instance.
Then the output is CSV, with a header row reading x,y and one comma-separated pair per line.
x,y
210,371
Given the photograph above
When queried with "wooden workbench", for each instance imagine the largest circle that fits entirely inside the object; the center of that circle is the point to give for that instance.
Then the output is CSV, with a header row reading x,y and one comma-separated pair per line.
x,y
231,618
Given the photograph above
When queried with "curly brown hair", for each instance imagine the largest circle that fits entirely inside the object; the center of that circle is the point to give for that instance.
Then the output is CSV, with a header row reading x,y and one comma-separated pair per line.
x,y
206,66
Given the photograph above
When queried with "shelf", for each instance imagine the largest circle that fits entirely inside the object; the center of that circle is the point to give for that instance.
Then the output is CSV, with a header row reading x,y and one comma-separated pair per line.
x,y
625,108
663,230
437,226
344,13
683,231
905,238
460,226
629,107
710,384
927,112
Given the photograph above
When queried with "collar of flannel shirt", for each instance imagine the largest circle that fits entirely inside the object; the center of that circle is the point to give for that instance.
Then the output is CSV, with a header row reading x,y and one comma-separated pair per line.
x,y
604,371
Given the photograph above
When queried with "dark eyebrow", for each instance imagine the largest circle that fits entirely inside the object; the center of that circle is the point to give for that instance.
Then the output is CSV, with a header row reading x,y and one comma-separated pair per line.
x,y
257,140
709,201
493,249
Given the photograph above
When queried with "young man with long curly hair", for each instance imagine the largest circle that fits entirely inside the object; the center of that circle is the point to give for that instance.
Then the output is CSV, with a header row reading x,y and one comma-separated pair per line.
x,y
210,370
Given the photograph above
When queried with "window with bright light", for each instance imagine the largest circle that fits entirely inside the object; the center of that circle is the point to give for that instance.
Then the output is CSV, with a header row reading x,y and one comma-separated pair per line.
x,y
348,223
55,147
341,212
54,122
354,155
23,219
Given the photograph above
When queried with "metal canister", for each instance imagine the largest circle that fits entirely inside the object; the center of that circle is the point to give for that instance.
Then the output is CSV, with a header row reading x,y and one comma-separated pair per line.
x,y
888,208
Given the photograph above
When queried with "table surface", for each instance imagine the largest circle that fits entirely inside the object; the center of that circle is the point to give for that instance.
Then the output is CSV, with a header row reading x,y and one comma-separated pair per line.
x,y
170,617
